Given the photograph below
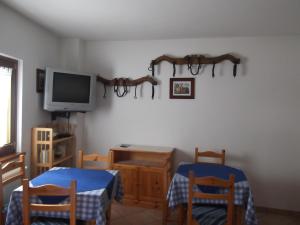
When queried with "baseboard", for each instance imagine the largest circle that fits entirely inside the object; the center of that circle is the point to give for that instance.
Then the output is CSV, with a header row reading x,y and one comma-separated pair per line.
x,y
277,211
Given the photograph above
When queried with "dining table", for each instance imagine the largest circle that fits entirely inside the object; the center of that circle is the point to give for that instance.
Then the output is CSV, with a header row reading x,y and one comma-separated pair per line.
x,y
95,191
177,195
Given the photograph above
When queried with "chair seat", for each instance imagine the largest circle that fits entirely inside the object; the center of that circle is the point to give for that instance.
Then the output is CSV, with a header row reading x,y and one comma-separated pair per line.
x,y
54,221
49,221
209,215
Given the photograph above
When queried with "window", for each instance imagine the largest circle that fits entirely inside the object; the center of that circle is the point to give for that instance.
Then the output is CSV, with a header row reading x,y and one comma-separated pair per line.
x,y
8,100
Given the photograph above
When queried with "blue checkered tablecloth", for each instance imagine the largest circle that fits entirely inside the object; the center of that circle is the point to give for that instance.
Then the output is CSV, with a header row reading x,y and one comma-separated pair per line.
x,y
178,193
91,205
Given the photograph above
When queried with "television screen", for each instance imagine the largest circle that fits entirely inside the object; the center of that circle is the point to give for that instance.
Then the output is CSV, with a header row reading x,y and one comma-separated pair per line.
x,y
69,91
64,86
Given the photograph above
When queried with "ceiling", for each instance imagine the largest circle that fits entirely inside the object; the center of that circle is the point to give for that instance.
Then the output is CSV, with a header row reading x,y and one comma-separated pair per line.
x,y
162,19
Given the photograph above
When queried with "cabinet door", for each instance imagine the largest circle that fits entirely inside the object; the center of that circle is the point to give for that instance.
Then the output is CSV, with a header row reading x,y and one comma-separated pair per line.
x,y
151,186
129,181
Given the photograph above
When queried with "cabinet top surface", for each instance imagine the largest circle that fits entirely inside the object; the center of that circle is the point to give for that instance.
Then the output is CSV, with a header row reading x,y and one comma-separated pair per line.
x,y
144,148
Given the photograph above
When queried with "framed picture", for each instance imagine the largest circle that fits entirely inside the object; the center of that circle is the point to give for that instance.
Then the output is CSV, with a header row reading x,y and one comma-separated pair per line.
x,y
183,88
40,80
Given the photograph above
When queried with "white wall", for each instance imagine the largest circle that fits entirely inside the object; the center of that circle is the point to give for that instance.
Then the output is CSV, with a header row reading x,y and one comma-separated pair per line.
x,y
72,50
36,48
255,115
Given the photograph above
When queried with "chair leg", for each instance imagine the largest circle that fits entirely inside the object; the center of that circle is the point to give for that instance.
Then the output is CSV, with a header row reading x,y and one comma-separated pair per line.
x,y
108,215
165,213
181,214
168,218
2,218
238,218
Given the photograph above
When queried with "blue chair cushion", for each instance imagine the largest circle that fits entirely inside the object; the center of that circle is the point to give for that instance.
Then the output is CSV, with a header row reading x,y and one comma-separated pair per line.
x,y
209,214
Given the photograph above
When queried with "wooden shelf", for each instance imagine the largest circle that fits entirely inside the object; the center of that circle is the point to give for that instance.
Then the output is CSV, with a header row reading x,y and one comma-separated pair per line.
x,y
45,147
59,140
56,162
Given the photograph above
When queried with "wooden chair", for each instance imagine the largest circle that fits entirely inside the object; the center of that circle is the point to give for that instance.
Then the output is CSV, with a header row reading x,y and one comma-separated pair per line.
x,y
210,154
11,169
210,214
49,190
95,159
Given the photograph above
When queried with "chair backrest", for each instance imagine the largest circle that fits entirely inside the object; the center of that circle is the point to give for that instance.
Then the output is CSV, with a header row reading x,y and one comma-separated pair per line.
x,y
11,169
227,196
49,190
95,161
210,154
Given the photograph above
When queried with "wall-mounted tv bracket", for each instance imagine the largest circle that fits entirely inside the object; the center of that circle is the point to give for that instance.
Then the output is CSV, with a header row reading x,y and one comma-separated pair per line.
x,y
125,83
198,60
56,114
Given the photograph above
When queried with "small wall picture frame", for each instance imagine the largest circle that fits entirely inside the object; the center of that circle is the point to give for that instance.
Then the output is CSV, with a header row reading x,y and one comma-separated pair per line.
x,y
182,88
40,80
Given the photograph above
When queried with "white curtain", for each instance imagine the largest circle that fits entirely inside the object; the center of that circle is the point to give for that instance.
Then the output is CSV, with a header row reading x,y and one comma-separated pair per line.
x,y
5,105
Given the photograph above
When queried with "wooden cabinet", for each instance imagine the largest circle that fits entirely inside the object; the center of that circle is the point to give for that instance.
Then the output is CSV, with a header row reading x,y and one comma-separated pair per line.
x,y
145,173
52,145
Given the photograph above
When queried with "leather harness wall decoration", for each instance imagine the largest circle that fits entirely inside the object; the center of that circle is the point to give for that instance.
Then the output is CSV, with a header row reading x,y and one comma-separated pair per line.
x,y
199,60
125,83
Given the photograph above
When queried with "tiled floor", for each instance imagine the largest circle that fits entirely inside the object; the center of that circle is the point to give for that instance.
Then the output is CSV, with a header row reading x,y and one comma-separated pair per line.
x,y
128,215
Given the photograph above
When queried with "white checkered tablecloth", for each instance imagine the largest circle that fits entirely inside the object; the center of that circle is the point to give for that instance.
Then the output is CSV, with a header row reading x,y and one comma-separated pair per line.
x,y
178,194
91,205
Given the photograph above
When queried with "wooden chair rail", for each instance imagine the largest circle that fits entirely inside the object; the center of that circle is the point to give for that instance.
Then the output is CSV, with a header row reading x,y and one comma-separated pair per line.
x,y
10,157
49,189
210,154
93,157
11,166
49,207
13,178
209,196
212,181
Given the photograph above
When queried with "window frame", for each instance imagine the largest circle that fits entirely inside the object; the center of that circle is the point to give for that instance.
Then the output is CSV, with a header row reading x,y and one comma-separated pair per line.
x,y
13,64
